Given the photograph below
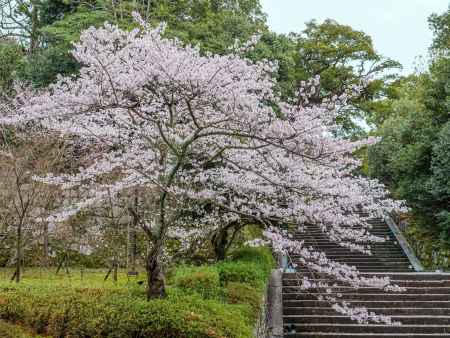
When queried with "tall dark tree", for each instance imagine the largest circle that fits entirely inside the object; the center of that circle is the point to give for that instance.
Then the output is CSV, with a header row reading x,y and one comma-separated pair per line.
x,y
413,156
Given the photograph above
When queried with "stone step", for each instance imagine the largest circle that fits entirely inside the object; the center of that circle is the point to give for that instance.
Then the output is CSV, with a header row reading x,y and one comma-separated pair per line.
x,y
362,258
372,328
334,244
403,283
370,228
397,276
374,269
340,319
317,233
380,296
335,255
348,253
384,239
374,303
363,335
369,269
347,289
368,265
320,236
311,240
381,245
384,252
400,311
367,261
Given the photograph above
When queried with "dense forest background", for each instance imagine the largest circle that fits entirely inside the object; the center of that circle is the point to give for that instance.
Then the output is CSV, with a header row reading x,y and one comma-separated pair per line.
x,y
409,113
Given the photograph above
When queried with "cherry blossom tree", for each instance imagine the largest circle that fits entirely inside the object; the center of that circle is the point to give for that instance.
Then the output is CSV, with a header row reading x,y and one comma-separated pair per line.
x,y
208,142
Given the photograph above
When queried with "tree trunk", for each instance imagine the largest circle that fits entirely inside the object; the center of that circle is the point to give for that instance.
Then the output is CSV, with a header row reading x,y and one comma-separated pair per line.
x,y
45,247
132,239
115,267
156,284
19,253
220,244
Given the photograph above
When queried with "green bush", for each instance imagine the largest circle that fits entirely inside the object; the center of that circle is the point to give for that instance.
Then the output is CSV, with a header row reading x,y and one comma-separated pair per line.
x,y
202,280
242,272
12,331
261,256
238,293
118,315
10,56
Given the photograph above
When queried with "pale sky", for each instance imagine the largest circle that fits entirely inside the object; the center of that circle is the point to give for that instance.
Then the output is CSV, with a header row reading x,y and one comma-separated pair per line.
x,y
399,28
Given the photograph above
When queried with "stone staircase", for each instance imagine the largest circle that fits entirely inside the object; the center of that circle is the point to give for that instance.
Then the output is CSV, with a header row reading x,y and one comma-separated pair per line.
x,y
423,310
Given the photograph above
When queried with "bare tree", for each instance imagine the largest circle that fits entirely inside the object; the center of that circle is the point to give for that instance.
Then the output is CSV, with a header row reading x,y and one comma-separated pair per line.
x,y
20,19
24,202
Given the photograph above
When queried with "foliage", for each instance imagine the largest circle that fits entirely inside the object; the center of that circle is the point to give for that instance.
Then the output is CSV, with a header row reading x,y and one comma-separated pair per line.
x,y
343,57
213,25
14,331
251,266
51,11
10,56
204,281
433,253
42,67
242,272
261,256
240,293
95,314
440,24
413,156
440,180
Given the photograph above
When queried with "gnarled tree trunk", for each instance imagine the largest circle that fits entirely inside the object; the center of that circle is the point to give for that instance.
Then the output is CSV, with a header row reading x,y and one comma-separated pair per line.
x,y
219,242
156,284
222,239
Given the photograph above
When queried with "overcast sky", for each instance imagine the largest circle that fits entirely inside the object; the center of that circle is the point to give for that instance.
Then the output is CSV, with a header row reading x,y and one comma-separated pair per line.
x,y
399,28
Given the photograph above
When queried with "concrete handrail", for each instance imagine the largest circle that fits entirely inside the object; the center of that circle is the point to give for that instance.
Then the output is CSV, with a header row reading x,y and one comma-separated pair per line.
x,y
275,305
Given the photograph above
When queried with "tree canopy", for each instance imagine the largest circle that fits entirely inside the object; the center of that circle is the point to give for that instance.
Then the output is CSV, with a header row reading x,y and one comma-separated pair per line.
x,y
412,157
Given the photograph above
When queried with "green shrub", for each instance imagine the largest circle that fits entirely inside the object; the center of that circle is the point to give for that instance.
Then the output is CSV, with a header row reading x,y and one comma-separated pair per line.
x,y
238,293
261,256
12,331
242,272
119,315
202,280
